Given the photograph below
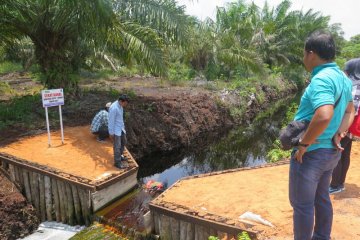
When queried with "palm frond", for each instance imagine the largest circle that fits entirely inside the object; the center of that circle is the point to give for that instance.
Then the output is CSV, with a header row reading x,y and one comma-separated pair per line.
x,y
143,43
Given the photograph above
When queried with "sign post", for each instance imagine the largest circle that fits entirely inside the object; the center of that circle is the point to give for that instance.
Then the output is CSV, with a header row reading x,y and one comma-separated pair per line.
x,y
51,98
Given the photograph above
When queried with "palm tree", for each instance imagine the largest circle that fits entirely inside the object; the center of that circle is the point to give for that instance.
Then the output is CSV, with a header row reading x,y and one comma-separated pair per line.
x,y
64,32
235,27
276,32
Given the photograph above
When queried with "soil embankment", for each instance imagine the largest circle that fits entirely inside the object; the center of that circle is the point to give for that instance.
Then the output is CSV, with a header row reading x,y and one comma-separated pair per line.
x,y
17,217
159,117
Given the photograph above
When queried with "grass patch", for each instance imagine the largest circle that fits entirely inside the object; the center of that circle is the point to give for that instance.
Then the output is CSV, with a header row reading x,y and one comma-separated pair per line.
x,y
7,67
5,88
21,111
95,232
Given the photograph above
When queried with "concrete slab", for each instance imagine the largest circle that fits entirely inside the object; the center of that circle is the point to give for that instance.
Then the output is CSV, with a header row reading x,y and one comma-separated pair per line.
x,y
54,231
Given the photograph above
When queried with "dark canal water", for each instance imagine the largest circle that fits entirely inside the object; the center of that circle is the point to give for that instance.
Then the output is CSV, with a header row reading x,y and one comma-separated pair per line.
x,y
241,147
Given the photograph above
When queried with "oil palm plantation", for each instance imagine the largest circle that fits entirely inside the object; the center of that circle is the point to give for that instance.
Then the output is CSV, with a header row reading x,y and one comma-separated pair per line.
x,y
65,32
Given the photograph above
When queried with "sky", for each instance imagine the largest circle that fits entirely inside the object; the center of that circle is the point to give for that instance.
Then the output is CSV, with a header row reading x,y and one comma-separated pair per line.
x,y
346,12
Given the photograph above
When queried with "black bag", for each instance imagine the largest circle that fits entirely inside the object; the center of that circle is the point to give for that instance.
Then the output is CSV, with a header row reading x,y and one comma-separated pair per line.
x,y
291,134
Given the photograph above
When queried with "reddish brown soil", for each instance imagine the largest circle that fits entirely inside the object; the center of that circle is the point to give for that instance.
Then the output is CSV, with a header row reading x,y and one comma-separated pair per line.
x,y
17,217
264,191
80,155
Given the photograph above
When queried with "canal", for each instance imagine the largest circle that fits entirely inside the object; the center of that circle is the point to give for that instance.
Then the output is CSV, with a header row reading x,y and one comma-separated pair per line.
x,y
244,146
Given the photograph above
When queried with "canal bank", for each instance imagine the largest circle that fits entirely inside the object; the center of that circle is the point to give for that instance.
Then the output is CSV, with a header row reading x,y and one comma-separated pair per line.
x,y
210,201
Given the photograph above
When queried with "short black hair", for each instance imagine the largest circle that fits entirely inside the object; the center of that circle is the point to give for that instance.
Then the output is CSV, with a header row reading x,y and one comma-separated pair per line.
x,y
124,98
322,43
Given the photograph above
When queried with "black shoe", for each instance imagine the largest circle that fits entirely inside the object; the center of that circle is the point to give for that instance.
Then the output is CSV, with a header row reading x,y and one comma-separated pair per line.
x,y
123,158
121,165
117,164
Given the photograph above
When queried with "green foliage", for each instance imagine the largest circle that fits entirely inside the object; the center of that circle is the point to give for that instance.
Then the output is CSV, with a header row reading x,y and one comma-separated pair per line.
x,y
237,112
114,93
5,88
20,110
97,231
276,153
290,114
244,236
350,50
213,238
179,73
241,236
65,34
246,40
150,107
21,50
130,93
7,66
296,74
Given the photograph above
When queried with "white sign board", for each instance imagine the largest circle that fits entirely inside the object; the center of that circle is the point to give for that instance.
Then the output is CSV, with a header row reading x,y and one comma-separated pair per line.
x,y
53,97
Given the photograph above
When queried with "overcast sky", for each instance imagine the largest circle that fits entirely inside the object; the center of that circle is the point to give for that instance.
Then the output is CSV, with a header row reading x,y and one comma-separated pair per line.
x,y
346,12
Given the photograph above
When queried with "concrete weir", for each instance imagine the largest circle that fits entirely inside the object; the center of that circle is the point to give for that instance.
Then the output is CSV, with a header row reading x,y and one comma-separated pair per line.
x,y
211,204
68,184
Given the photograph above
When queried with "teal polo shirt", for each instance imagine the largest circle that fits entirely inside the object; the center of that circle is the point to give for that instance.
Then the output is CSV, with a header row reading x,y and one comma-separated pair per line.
x,y
327,84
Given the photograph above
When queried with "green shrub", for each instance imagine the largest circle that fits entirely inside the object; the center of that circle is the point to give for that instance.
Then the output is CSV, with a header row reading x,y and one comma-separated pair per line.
x,y
179,74
276,153
5,88
244,236
20,110
7,67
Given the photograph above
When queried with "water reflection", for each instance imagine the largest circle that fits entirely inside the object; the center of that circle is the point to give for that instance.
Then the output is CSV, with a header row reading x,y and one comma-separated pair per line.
x,y
241,147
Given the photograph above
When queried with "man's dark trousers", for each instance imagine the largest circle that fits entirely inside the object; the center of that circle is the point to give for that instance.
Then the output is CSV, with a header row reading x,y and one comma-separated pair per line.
x,y
339,174
309,193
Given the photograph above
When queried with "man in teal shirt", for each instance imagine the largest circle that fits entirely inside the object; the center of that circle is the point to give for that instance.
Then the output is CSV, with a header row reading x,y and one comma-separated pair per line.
x,y
327,104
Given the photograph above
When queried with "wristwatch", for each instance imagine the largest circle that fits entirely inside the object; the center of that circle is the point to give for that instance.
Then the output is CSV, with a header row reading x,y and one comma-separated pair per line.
x,y
302,144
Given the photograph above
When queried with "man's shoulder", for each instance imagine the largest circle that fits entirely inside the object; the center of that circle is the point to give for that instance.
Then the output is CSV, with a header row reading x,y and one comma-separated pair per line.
x,y
112,107
329,76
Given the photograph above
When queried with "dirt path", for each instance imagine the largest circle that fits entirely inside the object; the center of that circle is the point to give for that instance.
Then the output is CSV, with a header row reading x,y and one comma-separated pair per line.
x,y
264,191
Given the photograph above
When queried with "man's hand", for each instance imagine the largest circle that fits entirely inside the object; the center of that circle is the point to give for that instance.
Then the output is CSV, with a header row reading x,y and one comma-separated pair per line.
x,y
111,137
336,141
299,153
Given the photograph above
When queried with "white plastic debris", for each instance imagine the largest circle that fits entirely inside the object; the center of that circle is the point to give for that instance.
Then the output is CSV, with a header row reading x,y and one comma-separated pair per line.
x,y
255,218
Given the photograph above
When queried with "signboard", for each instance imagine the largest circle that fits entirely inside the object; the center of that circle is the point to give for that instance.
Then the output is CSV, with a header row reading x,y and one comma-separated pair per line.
x,y
53,97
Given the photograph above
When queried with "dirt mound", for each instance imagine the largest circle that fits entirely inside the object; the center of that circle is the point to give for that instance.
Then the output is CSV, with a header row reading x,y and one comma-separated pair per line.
x,y
157,124
18,218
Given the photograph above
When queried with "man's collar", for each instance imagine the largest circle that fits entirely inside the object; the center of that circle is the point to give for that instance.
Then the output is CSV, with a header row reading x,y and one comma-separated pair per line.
x,y
318,68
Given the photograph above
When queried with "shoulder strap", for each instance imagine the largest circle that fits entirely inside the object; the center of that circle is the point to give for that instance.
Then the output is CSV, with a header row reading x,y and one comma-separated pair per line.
x,y
338,100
